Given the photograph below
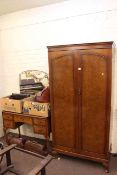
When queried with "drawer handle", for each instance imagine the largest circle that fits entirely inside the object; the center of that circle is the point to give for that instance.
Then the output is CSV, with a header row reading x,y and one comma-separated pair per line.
x,y
79,91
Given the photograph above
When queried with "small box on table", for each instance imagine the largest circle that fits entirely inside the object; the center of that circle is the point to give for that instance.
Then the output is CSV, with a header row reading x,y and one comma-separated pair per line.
x,y
12,105
35,108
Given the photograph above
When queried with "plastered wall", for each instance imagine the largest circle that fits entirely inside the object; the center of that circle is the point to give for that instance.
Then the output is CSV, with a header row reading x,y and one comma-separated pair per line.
x,y
25,35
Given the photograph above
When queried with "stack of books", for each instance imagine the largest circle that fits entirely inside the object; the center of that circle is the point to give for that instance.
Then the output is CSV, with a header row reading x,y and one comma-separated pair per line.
x,y
33,81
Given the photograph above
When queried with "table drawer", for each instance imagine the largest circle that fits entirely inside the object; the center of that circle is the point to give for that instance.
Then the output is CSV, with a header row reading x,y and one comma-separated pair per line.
x,y
23,119
9,124
7,116
39,129
40,122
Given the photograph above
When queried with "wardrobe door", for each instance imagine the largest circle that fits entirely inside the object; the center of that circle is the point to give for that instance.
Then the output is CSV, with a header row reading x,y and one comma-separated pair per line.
x,y
62,101
94,101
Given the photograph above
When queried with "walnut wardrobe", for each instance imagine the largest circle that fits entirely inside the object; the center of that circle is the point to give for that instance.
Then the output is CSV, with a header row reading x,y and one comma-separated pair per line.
x,y
80,90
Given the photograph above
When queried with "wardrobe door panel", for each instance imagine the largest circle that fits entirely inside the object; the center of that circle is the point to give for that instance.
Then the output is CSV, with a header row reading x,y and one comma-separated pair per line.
x,y
62,83
93,102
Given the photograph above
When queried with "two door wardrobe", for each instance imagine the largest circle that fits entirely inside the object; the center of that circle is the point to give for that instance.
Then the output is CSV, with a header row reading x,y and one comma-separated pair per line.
x,y
80,92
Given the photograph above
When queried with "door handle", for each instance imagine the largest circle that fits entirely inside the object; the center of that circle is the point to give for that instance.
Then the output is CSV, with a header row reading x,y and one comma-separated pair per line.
x,y
79,91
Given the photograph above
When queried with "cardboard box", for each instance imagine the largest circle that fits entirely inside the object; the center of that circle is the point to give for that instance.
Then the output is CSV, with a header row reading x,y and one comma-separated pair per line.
x,y
35,108
11,104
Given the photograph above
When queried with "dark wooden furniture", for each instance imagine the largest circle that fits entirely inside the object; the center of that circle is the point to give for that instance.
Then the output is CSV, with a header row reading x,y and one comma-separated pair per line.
x,y
80,87
37,169
41,125
6,151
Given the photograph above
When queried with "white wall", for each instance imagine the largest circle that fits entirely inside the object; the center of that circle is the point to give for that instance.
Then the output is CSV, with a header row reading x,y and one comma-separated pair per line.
x,y
25,36
1,86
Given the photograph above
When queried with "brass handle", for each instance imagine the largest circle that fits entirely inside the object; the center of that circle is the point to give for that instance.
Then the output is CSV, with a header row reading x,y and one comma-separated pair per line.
x,y
79,91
